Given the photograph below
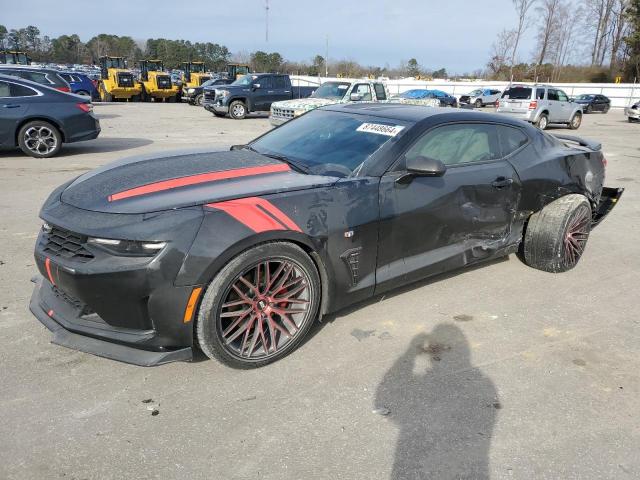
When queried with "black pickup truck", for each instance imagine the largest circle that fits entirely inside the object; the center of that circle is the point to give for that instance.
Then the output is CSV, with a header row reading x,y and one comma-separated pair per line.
x,y
254,92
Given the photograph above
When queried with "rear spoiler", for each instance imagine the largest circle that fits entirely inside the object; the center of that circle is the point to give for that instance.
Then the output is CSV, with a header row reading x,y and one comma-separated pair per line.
x,y
596,146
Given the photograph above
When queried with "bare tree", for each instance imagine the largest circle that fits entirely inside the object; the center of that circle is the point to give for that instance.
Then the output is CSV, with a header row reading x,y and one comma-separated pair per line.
x,y
564,39
549,21
619,31
522,9
500,50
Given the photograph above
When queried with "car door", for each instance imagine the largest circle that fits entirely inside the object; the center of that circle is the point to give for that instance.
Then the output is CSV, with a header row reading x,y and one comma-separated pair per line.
x,y
553,105
280,90
363,91
566,106
432,224
14,104
262,92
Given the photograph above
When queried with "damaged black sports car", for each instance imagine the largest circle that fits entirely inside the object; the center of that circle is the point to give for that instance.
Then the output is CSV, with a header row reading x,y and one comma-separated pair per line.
x,y
239,252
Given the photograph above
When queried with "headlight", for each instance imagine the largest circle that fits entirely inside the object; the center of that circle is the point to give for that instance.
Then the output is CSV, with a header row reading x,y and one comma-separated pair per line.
x,y
297,113
222,93
191,90
125,248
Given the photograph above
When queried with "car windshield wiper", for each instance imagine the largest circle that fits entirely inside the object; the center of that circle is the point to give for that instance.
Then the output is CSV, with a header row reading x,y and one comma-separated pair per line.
x,y
296,165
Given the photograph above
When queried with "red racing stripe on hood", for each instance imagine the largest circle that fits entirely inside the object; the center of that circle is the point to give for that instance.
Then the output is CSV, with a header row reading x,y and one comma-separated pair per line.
x,y
196,179
256,213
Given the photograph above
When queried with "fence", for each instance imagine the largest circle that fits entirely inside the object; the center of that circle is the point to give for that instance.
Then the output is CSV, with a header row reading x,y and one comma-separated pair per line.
x,y
621,94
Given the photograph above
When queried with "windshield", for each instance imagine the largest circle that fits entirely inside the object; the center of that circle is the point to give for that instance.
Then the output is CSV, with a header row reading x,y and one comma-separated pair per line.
x,y
329,143
245,80
585,97
154,66
475,93
115,62
335,90
197,68
517,93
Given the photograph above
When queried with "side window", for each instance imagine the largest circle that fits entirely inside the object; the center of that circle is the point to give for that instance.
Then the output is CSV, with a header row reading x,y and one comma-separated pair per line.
x,y
458,143
4,90
540,94
511,139
562,96
21,91
279,83
363,90
265,82
552,95
381,93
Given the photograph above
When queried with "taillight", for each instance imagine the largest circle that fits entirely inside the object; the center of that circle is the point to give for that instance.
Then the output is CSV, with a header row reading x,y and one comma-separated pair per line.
x,y
533,105
64,89
604,161
85,107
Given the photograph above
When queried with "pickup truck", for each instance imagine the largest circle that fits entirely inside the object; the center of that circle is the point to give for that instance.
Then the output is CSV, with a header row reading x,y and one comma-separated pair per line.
x,y
327,94
254,92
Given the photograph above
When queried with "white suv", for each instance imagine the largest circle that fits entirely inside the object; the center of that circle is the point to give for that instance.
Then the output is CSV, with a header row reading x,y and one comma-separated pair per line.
x,y
540,105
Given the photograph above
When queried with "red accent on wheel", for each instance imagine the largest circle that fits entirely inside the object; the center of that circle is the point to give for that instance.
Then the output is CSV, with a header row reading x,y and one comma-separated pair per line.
x,y
576,236
47,265
197,179
258,214
264,309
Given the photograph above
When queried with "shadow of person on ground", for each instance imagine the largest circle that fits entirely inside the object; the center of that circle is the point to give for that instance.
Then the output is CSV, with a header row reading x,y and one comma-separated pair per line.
x,y
444,407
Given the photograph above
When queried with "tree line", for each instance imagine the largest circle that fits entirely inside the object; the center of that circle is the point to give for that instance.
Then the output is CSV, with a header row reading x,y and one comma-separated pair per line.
x,y
576,40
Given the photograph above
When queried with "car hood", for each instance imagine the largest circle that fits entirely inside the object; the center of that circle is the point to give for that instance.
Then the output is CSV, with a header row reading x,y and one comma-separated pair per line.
x,y
152,183
306,103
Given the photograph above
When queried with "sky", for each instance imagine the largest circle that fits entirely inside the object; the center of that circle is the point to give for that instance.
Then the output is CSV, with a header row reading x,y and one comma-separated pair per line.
x,y
454,34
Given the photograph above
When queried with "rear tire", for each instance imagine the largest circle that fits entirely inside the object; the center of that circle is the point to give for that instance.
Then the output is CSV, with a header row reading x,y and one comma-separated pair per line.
x,y
237,110
40,139
104,95
251,301
478,103
557,235
543,122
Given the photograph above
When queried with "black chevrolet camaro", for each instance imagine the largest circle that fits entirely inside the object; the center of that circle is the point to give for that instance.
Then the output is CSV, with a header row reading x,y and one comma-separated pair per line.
x,y
239,252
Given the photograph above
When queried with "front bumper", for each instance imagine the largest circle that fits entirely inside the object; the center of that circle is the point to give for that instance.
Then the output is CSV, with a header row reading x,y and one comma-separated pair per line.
x,y
216,107
60,318
632,112
276,121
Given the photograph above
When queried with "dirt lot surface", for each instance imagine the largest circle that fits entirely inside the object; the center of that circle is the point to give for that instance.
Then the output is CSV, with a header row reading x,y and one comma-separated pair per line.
x,y
501,370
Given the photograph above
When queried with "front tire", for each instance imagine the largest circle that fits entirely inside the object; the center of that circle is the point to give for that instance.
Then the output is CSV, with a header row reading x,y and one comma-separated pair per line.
x,y
260,306
576,121
198,100
237,110
478,103
40,139
557,235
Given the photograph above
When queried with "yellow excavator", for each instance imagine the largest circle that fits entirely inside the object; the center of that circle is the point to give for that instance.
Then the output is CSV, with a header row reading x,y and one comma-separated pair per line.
x,y
13,57
156,83
194,74
116,81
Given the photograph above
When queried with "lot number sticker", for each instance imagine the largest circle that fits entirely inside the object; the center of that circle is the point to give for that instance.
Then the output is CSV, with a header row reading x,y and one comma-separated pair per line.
x,y
388,130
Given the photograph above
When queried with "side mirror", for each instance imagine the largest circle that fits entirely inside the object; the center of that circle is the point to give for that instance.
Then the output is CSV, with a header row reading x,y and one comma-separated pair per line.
x,y
425,166
355,97
422,167
256,86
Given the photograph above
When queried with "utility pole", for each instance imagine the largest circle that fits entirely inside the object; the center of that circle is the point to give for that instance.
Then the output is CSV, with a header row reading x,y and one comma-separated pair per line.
x,y
266,9
326,58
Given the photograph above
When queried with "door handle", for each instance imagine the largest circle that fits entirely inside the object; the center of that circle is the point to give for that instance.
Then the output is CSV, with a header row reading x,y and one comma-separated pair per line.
x,y
501,182
11,105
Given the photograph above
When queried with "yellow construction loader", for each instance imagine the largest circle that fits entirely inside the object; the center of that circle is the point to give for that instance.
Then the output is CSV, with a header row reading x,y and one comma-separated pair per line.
x,y
194,74
13,57
116,81
236,70
156,83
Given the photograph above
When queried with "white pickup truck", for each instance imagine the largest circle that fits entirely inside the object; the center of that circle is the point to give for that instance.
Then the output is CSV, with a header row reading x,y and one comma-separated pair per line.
x,y
328,93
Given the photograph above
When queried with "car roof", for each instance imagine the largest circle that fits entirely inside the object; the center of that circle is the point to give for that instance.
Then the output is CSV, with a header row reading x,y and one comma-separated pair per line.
x,y
23,81
28,67
417,113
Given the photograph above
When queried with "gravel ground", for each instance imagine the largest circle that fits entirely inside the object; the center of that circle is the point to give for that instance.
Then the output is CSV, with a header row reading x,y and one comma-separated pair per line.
x,y
499,371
